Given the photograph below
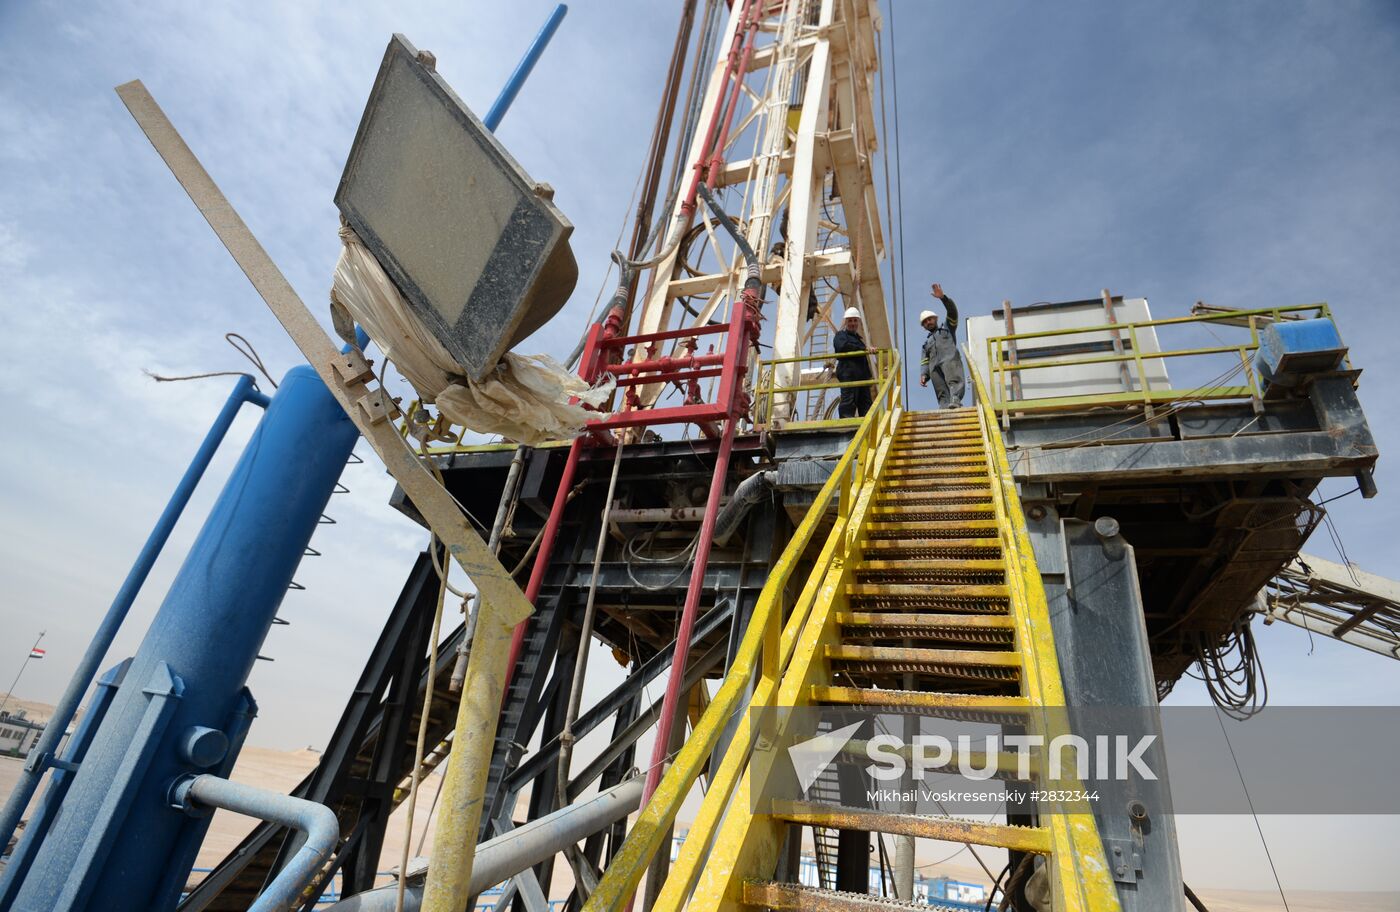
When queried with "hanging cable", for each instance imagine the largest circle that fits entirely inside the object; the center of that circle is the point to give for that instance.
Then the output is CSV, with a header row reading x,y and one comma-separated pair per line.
x,y
1264,842
895,266
899,183
584,875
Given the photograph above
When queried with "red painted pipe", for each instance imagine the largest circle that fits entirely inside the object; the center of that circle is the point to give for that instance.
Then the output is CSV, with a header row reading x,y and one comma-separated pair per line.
x,y
684,362
676,679
735,54
672,377
750,41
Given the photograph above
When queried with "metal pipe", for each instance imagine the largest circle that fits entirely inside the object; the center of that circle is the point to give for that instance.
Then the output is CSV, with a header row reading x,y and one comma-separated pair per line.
x,y
316,822
675,680
459,668
658,514
731,70
522,69
43,752
582,870
524,847
753,15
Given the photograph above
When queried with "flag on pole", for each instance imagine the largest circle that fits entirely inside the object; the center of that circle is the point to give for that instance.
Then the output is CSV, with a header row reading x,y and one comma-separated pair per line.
x,y
36,653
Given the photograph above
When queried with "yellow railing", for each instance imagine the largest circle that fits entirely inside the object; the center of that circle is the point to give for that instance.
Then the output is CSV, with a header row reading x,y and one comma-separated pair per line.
x,y
1080,876
768,392
767,647
1003,358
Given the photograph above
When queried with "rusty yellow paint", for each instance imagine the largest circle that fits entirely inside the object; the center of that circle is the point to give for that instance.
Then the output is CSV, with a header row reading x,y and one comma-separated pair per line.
x,y
930,590
1080,878
949,829
744,846
917,699
857,467
930,525
901,494
933,566
922,619
875,545
975,470
914,655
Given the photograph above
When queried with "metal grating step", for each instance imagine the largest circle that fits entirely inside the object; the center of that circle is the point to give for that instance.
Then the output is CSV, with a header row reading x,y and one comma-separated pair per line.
x,y
783,896
950,829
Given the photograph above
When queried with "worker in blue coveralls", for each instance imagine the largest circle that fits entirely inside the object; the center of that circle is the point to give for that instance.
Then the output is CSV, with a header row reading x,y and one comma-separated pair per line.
x,y
942,362
855,400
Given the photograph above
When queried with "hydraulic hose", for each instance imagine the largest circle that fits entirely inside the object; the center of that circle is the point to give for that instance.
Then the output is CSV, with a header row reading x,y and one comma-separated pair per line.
x,y
753,281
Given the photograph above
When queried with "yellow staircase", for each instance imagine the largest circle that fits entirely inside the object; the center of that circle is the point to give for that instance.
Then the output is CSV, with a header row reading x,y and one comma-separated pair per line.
x,y
925,598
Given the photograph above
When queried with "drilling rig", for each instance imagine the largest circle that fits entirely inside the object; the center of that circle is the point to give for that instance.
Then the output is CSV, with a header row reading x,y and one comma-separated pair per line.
x,y
1080,536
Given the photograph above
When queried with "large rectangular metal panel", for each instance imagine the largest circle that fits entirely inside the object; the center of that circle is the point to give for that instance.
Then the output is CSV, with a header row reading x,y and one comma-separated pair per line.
x,y
475,246
1077,380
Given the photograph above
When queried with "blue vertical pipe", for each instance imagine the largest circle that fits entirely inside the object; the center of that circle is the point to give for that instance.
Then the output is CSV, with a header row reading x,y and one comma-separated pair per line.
x,y
209,631
523,68
41,756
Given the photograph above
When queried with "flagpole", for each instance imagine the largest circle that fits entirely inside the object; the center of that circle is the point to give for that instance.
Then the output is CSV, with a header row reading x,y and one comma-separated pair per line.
x,y
11,692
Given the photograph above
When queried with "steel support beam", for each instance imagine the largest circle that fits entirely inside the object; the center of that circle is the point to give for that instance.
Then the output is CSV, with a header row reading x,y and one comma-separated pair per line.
x,y
1090,577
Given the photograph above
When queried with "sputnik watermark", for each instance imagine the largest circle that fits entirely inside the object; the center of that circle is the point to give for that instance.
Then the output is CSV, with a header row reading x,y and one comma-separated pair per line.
x,y
1048,760
1106,757
1069,755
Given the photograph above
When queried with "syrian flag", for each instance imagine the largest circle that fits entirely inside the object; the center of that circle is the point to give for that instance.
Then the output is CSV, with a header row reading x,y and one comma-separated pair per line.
x,y
36,653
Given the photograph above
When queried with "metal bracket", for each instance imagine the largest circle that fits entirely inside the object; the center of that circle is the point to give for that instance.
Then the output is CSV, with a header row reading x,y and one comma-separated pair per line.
x,y
377,406
353,367
1124,859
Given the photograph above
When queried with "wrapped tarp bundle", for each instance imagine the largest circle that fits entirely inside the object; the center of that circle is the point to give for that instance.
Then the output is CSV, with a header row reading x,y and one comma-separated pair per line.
x,y
526,398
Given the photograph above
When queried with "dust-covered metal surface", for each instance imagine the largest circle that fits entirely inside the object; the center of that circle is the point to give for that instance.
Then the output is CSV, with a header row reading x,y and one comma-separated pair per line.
x,y
475,245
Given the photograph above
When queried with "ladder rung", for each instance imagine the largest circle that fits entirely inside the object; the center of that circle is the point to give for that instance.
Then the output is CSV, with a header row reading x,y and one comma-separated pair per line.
x,y
935,443
949,829
919,699
932,526
931,449
923,620
784,896
937,472
899,461
929,590
899,492
921,481
948,544
915,655
916,421
933,566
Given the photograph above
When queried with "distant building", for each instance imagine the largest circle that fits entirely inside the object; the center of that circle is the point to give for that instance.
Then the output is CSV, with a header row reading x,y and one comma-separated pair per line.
x,y
18,733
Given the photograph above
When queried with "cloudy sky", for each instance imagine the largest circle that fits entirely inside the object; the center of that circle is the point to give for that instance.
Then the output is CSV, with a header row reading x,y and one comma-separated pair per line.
x,y
1243,153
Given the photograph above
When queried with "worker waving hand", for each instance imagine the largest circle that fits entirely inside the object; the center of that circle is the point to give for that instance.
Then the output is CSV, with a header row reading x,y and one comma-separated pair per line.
x,y
941,362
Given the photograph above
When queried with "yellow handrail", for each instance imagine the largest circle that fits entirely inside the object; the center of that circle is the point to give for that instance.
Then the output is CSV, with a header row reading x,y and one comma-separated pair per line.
x,y
767,645
1081,880
1001,367
768,389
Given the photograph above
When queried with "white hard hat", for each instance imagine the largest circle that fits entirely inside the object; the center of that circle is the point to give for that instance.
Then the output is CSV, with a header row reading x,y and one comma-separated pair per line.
x,y
853,312
926,314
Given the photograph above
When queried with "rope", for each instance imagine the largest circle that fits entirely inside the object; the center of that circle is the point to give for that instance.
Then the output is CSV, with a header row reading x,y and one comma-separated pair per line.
x,y
250,353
